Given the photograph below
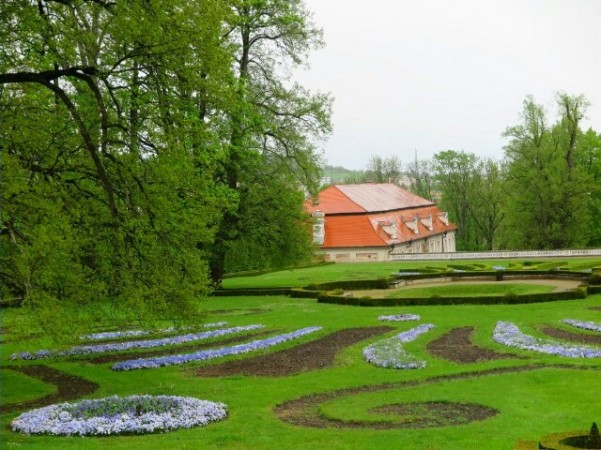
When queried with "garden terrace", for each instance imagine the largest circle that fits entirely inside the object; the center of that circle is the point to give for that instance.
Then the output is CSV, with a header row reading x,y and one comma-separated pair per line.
x,y
318,391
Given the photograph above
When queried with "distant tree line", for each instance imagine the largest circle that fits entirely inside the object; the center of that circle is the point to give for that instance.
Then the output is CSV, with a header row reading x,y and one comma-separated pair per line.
x,y
544,194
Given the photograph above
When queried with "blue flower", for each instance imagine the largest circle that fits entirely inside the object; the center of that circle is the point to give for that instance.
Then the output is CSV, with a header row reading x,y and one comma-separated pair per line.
x,y
400,317
509,334
129,345
390,353
137,414
146,363
592,326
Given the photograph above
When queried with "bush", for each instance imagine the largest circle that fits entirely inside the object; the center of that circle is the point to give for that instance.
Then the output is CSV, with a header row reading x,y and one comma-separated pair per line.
x,y
435,300
246,292
595,278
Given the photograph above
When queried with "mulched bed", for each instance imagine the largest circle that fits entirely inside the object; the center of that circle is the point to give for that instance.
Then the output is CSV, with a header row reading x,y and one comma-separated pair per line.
x,y
69,387
115,357
435,414
304,411
456,346
571,336
314,355
239,312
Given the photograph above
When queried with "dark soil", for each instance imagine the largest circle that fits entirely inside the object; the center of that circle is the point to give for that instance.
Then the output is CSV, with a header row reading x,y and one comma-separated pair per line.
x,y
69,387
115,357
456,346
314,355
595,308
304,411
435,414
570,336
239,312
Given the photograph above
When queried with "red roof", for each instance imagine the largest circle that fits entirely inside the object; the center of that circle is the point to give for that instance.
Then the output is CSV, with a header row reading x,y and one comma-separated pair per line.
x,y
360,198
351,231
376,215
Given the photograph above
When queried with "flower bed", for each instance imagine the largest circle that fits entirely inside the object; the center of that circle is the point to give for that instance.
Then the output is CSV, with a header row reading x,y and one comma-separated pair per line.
x,y
146,363
135,333
122,346
400,317
591,326
390,353
137,414
509,334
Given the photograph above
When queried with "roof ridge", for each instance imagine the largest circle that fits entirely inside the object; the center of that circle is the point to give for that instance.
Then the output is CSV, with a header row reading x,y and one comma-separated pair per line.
x,y
351,200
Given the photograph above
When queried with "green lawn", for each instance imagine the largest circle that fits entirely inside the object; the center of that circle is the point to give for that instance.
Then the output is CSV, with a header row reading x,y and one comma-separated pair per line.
x,y
357,271
530,403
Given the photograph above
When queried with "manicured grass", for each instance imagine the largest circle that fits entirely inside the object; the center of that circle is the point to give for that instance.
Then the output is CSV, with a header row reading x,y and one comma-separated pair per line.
x,y
530,403
357,271
16,387
470,290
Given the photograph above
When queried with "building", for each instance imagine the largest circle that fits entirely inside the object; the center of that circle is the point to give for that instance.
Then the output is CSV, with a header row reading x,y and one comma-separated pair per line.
x,y
373,222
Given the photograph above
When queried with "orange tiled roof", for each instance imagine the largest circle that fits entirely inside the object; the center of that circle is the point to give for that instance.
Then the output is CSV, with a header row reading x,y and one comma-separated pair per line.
x,y
376,215
361,198
351,231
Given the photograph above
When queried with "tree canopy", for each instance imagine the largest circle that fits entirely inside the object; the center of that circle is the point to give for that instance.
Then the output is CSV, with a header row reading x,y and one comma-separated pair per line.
x,y
134,136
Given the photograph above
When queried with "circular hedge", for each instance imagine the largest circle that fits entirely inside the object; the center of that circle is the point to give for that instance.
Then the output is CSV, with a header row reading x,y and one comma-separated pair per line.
x,y
137,414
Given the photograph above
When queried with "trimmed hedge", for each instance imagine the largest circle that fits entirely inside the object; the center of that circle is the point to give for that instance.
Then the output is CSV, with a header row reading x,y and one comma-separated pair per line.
x,y
594,289
380,283
499,274
434,300
253,273
251,292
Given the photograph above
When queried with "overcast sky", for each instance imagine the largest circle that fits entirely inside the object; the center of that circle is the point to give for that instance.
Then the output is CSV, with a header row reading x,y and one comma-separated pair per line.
x,y
431,75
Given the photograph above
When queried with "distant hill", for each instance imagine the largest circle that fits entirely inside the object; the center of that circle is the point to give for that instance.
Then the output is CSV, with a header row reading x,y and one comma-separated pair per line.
x,y
339,175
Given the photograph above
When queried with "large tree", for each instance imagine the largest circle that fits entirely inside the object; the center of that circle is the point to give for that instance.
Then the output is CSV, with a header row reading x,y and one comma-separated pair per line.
x,y
111,123
274,122
383,170
548,189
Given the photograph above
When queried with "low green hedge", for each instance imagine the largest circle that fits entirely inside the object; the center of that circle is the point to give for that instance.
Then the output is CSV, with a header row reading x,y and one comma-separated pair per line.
x,y
594,289
251,292
435,300
380,283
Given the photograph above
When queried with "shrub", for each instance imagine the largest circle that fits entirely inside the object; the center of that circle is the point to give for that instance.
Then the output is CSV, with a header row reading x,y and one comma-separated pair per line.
x,y
595,278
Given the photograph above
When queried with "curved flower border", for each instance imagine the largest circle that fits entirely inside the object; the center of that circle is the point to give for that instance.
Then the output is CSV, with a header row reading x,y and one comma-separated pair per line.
x,y
129,345
137,414
134,333
591,326
400,317
507,333
389,353
147,363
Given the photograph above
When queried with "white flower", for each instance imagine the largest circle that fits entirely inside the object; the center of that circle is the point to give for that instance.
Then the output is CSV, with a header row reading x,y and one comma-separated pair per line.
x,y
145,363
400,317
592,326
391,354
129,345
115,415
509,334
